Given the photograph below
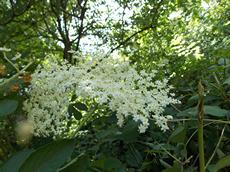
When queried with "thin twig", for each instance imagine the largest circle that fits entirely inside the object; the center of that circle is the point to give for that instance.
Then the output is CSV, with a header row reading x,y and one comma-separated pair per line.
x,y
10,62
194,119
175,158
217,121
217,145
175,108
15,76
195,133
70,163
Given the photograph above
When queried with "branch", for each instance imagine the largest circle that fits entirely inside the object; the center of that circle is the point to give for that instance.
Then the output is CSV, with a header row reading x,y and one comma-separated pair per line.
x,y
14,15
151,26
48,28
10,62
7,81
59,26
81,27
130,37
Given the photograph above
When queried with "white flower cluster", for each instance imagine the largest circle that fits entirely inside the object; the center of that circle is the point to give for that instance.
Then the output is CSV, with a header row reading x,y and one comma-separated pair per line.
x,y
107,81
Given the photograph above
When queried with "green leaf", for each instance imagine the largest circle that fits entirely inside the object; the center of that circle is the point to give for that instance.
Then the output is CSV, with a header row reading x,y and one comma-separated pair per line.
x,y
193,100
175,168
108,134
191,169
178,136
109,164
133,157
165,164
159,148
222,163
181,151
15,162
80,164
77,115
227,81
130,132
190,112
215,111
75,112
49,157
220,52
81,106
211,168
7,106
220,153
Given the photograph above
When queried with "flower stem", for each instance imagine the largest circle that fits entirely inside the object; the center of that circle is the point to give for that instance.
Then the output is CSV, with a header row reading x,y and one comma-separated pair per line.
x,y
7,81
200,117
8,60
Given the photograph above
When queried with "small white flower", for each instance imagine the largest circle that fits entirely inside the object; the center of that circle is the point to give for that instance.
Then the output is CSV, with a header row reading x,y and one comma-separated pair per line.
x,y
5,49
110,82
17,56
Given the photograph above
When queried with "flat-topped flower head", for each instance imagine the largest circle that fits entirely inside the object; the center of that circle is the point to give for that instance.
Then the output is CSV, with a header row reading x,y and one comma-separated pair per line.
x,y
106,81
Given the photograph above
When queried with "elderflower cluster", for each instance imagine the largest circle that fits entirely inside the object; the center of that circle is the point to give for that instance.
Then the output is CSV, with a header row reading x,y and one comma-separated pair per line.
x,y
107,81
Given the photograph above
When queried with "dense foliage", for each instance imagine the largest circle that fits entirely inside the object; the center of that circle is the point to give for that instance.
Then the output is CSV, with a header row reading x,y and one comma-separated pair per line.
x,y
114,86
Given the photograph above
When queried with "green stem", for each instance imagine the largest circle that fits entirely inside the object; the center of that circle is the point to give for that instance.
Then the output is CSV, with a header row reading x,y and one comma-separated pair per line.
x,y
8,60
217,121
7,81
195,133
200,117
194,119
201,146
84,121
166,151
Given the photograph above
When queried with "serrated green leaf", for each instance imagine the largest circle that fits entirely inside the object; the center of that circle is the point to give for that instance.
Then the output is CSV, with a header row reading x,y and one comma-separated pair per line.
x,y
7,106
49,157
